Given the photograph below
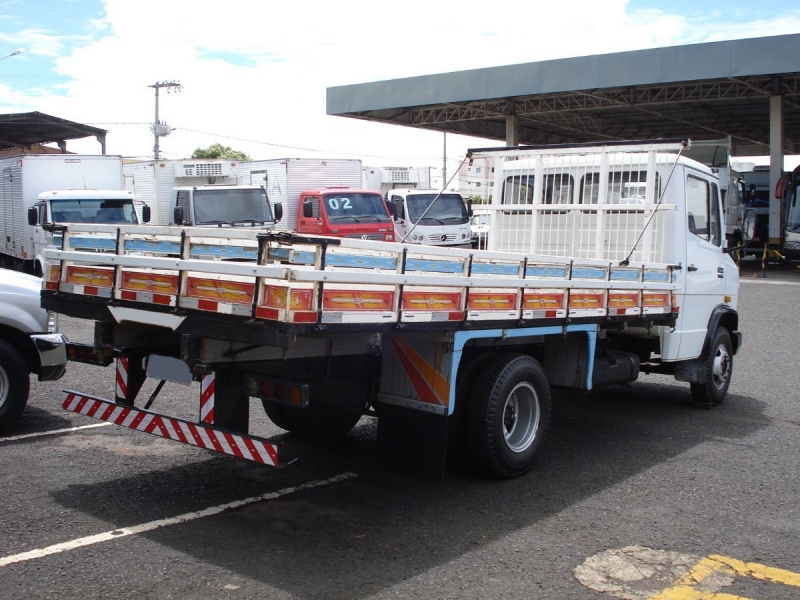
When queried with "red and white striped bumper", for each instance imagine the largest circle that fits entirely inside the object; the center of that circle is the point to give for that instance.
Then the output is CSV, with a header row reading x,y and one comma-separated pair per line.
x,y
193,434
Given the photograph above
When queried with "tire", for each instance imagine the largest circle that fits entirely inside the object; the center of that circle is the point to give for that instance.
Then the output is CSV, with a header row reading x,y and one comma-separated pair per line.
x,y
717,370
277,414
507,416
319,423
14,385
457,448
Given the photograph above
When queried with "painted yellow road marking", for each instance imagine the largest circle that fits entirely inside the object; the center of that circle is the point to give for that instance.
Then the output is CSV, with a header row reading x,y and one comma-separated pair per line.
x,y
641,573
689,587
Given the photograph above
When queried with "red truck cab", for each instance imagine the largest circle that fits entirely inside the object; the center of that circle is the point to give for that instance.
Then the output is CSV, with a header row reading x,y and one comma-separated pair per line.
x,y
345,212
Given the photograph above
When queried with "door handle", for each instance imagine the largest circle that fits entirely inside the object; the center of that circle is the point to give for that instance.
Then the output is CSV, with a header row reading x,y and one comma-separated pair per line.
x,y
691,268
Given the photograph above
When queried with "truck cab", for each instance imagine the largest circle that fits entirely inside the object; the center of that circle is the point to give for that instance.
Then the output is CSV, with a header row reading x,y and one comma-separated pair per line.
x,y
344,212
224,206
65,207
430,217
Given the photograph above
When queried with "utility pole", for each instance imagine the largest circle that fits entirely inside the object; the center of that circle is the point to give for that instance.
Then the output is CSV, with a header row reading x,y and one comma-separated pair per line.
x,y
161,129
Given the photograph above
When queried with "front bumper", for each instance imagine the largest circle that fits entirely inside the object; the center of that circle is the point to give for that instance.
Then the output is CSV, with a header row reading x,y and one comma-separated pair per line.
x,y
52,350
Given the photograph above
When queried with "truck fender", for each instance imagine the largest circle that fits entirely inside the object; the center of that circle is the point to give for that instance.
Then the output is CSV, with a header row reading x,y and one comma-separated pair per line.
x,y
721,316
724,316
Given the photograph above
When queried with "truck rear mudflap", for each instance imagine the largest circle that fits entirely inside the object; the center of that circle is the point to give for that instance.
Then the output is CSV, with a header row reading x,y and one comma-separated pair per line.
x,y
186,432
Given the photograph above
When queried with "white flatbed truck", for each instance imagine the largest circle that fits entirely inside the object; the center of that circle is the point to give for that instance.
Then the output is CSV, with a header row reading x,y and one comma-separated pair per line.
x,y
604,262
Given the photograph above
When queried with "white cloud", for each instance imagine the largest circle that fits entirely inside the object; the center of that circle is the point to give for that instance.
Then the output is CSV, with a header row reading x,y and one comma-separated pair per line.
x,y
271,102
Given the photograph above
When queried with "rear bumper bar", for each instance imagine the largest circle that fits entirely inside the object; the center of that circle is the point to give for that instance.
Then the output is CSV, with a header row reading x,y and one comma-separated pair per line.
x,y
194,434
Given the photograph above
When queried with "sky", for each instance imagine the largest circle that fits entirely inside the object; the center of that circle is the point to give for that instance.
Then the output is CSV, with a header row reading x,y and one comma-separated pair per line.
x,y
254,73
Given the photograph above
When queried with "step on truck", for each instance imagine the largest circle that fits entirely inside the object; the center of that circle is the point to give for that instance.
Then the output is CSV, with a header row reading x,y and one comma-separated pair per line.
x,y
604,263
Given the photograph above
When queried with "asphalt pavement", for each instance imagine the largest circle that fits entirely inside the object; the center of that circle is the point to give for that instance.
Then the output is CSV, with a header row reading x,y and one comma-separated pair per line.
x,y
637,492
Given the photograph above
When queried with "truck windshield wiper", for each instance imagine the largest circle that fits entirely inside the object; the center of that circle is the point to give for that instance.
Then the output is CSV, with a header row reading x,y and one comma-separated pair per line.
x,y
340,217
248,222
220,223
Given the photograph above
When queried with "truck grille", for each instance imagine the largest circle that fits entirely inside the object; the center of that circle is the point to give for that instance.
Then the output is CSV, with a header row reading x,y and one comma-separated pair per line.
x,y
438,239
375,237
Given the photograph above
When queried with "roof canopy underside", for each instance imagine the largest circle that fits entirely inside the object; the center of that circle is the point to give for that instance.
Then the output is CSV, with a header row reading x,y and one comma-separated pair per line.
x,y
23,130
700,91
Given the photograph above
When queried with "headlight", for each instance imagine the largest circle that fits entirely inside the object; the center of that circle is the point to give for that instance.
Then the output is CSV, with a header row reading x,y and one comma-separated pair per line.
x,y
52,322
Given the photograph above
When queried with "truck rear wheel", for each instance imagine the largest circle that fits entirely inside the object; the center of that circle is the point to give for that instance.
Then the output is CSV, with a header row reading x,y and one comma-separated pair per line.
x,y
14,385
277,414
321,423
507,416
718,369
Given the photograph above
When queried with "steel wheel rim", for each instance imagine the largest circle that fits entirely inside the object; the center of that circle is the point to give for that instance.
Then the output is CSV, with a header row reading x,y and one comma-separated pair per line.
x,y
521,417
721,368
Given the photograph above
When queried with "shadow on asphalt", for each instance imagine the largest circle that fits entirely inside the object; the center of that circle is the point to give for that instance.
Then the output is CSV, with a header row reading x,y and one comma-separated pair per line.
x,y
358,537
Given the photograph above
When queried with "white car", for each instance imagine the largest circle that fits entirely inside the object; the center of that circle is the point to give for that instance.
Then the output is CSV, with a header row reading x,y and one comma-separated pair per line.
x,y
29,343
479,228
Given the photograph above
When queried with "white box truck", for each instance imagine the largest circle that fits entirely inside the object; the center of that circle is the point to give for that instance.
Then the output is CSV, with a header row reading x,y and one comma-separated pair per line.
x,y
153,181
25,177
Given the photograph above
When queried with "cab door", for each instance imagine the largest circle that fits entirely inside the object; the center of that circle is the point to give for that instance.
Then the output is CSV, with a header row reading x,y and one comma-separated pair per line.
x,y
41,237
710,273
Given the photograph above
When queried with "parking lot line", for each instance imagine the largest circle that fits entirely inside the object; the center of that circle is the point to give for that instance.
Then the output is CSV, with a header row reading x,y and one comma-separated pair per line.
x,y
144,527
26,436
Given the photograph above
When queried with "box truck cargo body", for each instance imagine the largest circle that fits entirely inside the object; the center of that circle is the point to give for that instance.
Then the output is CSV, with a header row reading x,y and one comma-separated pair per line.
x,y
286,178
27,176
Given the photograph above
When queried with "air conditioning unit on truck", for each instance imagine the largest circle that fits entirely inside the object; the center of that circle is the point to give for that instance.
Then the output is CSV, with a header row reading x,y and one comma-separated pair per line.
x,y
321,197
27,176
153,181
604,262
385,179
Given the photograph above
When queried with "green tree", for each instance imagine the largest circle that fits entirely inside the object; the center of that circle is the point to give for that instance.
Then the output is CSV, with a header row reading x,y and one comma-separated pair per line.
x,y
220,151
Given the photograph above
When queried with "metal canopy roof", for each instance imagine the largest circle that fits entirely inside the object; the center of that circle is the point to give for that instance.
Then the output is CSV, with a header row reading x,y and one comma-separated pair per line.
x,y
23,130
700,91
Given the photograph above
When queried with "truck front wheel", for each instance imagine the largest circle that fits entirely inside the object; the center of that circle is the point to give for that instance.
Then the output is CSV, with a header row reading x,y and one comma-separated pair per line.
x,y
507,416
718,369
14,385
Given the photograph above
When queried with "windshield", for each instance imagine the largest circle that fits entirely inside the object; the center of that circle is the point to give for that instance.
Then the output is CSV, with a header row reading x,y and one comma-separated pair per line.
x,y
231,205
480,219
355,206
93,210
447,208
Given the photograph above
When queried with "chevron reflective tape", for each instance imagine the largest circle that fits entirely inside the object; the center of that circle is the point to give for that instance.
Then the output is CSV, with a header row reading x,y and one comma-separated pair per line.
x,y
207,396
121,388
178,430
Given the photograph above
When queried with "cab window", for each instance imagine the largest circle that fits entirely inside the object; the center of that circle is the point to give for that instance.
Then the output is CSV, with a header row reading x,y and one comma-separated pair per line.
x,y
702,206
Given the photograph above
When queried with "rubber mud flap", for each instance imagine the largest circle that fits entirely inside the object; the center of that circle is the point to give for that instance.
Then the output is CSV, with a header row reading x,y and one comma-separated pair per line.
x,y
412,442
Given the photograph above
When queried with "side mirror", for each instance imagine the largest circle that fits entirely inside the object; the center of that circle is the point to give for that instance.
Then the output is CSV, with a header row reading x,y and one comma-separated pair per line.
x,y
277,208
145,214
177,215
469,208
748,225
33,216
308,209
